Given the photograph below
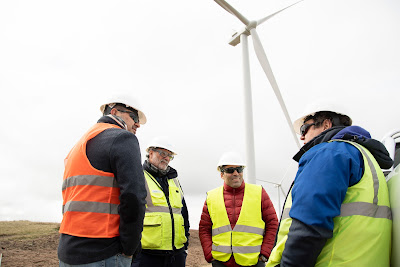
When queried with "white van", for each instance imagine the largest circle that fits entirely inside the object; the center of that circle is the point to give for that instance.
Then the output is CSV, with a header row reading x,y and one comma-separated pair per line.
x,y
392,143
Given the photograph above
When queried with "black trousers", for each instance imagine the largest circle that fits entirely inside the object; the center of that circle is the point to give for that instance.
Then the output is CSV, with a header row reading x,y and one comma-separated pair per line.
x,y
220,264
150,260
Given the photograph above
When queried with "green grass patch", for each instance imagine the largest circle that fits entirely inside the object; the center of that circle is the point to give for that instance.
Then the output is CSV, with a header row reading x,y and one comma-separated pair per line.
x,y
10,230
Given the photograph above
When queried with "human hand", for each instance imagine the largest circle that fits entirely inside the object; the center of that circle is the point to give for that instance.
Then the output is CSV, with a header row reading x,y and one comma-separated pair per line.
x,y
127,256
263,258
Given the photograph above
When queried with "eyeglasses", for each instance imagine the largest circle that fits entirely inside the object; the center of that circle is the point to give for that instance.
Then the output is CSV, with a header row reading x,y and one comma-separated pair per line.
x,y
132,114
304,128
164,154
232,169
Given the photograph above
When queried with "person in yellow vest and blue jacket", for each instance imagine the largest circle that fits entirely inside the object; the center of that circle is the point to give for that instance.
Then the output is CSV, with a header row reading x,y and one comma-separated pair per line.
x,y
238,223
166,224
337,212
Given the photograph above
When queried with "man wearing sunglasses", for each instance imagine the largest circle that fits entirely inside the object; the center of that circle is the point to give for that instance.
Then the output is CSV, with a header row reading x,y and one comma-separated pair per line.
x,y
337,212
238,223
166,225
104,190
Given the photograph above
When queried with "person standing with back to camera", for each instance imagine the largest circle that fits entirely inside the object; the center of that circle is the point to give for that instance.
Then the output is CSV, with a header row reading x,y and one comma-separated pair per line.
x,y
104,190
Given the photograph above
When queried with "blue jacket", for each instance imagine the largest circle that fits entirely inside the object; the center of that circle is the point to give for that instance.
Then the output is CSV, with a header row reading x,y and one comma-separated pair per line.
x,y
325,172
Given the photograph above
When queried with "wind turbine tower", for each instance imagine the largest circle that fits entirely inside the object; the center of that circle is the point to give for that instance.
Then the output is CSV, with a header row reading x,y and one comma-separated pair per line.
x,y
242,37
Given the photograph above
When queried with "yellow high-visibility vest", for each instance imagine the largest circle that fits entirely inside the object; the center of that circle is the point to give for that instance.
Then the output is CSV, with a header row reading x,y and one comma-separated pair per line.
x,y
362,231
163,227
245,239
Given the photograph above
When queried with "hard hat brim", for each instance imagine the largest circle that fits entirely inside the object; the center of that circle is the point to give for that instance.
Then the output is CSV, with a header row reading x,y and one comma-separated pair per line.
x,y
300,121
142,117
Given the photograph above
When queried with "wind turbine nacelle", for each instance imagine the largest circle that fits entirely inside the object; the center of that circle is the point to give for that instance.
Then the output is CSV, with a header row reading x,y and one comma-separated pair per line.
x,y
236,36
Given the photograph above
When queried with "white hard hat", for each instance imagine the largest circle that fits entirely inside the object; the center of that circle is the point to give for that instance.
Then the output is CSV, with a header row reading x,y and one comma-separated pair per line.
x,y
231,158
315,107
128,101
161,142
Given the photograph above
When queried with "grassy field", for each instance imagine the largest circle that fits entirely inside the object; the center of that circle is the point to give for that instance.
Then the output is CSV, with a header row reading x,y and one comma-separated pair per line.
x,y
14,230
26,243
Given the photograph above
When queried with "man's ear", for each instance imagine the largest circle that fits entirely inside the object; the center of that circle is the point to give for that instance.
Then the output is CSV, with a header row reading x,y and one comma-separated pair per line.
x,y
327,124
113,111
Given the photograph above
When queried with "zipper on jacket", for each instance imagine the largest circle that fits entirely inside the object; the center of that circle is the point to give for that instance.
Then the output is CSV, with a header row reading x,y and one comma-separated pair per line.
x,y
234,205
170,211
234,216
172,222
231,243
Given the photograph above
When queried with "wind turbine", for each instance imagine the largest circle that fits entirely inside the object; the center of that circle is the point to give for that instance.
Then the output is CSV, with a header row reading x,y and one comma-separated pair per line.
x,y
280,190
241,37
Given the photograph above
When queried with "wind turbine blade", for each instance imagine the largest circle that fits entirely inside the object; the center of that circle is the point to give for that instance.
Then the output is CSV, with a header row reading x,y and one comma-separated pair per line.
x,y
276,184
262,57
282,191
270,16
233,11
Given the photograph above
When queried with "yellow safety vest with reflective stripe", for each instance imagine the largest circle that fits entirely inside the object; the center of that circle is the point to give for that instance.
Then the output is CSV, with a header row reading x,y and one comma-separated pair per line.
x,y
163,225
245,239
362,231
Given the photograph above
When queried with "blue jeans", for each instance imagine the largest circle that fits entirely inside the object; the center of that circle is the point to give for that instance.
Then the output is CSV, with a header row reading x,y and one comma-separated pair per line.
x,y
118,260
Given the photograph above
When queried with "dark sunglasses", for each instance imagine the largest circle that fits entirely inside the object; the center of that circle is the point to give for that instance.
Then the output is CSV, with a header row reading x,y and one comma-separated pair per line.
x,y
132,114
232,169
304,128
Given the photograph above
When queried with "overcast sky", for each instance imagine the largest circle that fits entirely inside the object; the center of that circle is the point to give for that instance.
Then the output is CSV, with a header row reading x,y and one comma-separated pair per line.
x,y
60,60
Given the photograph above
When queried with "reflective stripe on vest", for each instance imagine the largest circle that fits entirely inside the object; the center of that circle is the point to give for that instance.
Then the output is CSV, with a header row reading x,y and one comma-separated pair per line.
x,y
90,206
158,231
152,208
245,239
87,206
362,231
238,228
89,194
236,249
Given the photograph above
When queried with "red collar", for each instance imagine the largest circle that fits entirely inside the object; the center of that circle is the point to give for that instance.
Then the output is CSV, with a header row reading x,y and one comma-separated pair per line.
x,y
231,189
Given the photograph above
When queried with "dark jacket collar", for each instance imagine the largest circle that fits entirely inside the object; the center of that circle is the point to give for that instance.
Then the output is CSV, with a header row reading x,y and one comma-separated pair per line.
x,y
325,136
355,134
107,119
170,173
377,149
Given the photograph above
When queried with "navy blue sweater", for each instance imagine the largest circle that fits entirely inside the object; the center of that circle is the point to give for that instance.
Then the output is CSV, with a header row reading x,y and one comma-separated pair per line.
x,y
116,151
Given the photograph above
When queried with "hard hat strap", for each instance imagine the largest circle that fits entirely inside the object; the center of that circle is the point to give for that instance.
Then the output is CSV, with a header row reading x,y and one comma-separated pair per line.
x,y
118,120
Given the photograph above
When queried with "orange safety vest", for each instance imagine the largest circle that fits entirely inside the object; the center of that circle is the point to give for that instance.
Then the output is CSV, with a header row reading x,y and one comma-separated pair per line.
x,y
90,196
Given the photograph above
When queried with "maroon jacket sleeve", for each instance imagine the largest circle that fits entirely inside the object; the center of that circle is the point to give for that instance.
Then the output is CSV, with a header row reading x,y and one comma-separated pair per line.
x,y
271,224
205,233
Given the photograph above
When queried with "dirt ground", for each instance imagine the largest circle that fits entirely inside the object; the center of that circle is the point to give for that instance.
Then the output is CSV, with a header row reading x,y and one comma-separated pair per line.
x,y
42,252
